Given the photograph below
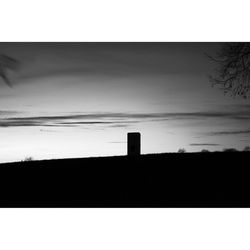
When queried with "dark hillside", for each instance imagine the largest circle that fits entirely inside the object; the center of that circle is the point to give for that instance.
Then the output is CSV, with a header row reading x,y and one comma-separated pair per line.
x,y
158,180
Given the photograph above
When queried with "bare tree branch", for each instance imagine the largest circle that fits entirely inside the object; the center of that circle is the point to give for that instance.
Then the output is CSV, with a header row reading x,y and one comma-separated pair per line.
x,y
233,69
7,63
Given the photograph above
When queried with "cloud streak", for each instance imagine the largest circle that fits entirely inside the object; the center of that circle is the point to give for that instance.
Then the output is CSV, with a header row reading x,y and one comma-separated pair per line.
x,y
9,113
231,132
204,144
116,119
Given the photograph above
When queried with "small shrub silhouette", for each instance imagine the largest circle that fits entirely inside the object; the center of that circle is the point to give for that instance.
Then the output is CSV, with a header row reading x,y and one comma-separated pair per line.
x,y
28,158
205,151
230,150
182,150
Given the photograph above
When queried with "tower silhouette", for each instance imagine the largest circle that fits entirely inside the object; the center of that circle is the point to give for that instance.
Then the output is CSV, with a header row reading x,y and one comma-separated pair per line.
x,y
133,143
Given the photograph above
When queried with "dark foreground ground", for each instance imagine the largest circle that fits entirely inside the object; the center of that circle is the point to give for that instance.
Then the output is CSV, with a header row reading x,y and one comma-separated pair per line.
x,y
160,180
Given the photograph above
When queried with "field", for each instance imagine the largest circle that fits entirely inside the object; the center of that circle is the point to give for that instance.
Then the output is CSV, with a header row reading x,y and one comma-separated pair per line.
x,y
157,180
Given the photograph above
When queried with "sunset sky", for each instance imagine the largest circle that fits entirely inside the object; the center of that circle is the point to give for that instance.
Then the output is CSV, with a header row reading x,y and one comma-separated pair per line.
x,y
80,99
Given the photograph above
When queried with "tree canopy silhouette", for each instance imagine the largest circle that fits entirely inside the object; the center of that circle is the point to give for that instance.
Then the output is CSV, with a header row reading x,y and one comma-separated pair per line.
x,y
233,69
7,63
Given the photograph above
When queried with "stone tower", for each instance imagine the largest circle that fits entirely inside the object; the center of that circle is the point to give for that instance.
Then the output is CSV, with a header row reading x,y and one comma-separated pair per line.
x,y
133,144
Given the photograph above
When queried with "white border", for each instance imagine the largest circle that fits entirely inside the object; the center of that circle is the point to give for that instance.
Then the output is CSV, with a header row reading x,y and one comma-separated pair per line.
x,y
130,20
131,229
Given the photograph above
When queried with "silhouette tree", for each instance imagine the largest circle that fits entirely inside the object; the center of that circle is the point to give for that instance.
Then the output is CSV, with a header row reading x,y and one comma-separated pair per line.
x,y
28,158
230,150
233,69
7,63
182,150
205,151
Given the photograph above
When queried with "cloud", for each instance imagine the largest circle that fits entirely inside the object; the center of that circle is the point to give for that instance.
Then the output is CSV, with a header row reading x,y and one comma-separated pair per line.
x,y
119,125
118,142
118,119
231,132
5,124
204,144
47,130
244,106
9,113
107,119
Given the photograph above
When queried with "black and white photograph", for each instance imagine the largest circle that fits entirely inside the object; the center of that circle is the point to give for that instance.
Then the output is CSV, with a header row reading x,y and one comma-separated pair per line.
x,y
124,125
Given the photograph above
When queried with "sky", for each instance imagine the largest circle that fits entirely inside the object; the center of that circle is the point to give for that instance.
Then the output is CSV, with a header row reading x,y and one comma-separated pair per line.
x,y
81,99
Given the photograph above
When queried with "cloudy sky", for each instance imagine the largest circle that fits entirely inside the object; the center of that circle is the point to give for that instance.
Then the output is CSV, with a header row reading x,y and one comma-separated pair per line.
x,y
81,99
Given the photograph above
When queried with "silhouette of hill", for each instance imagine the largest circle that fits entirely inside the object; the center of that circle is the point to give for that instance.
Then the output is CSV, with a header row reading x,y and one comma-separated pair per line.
x,y
155,180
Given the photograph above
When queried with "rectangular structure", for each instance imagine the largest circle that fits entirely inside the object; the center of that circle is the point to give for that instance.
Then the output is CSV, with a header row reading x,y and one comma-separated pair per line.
x,y
134,143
